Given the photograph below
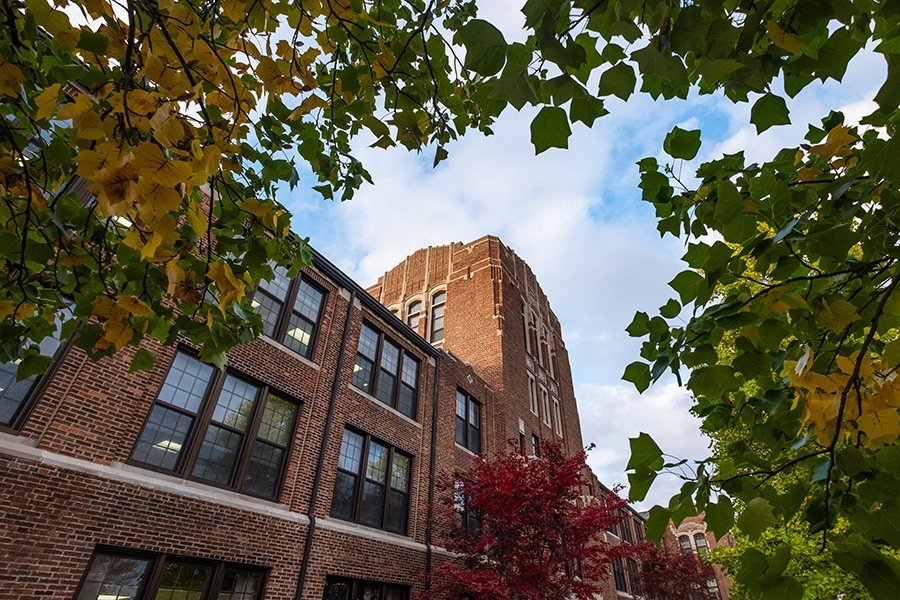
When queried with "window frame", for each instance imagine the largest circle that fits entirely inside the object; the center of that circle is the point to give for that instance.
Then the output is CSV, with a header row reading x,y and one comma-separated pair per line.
x,y
535,445
156,566
545,405
355,583
435,305
557,417
203,418
282,321
398,374
532,395
464,517
359,485
470,401
418,314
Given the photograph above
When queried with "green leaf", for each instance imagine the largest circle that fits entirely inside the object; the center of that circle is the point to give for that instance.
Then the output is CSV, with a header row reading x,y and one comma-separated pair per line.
x,y
485,47
640,325
550,129
712,381
784,588
586,110
880,574
32,364
143,360
639,484
657,521
720,516
618,80
671,309
756,517
681,143
638,373
95,43
645,453
687,284
768,111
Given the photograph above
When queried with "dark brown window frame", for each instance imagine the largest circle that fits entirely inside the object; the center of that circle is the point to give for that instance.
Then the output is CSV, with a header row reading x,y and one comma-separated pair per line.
x,y
202,419
157,561
355,583
287,309
361,479
467,441
398,375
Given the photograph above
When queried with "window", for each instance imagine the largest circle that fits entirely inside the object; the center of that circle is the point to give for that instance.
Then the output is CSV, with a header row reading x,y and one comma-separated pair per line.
x,y
685,543
396,380
625,530
351,589
554,365
557,416
634,579
700,543
535,445
464,516
413,315
437,317
619,575
532,336
290,310
372,483
532,395
468,421
545,405
218,428
713,587
115,575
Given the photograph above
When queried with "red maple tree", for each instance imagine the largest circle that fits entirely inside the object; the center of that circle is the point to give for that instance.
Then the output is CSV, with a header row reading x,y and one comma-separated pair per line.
x,y
525,531
668,575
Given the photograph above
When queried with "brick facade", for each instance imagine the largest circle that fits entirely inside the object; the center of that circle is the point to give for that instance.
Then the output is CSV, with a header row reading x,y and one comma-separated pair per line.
x,y
70,487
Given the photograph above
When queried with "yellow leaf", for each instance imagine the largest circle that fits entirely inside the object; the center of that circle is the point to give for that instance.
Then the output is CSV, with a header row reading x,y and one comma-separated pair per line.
x,y
6,308
156,200
784,40
230,288
46,102
309,104
838,138
116,333
79,106
881,427
11,78
133,305
198,219
152,245
838,315
256,208
102,306
88,126
150,162
175,275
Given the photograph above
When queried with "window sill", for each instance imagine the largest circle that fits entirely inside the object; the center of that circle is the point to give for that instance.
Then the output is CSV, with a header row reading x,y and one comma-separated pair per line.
x,y
381,404
464,449
289,352
364,531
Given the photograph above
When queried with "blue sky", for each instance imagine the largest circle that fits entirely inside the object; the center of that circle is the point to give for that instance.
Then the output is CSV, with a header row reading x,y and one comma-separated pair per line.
x,y
576,217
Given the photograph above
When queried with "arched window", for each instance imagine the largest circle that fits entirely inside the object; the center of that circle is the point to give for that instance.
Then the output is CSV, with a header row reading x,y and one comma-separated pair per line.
x,y
437,316
700,542
413,315
532,336
685,543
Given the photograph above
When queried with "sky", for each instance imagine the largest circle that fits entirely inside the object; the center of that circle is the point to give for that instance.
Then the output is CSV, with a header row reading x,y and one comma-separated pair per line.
x,y
577,218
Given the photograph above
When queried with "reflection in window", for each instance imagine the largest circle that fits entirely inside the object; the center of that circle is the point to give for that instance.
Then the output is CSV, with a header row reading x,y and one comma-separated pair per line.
x,y
386,371
468,421
414,315
290,309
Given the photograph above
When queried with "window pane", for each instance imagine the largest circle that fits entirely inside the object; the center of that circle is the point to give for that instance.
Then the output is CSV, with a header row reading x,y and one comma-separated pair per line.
x,y
240,585
390,357
474,439
309,301
338,590
460,404
163,437
186,382
351,451
413,313
410,371
372,504
279,285
12,392
474,413
394,593
264,469
235,404
343,500
407,401
376,462
362,373
398,509
400,472
182,581
299,335
368,591
114,578
385,391
218,454
368,342
460,431
268,309
278,420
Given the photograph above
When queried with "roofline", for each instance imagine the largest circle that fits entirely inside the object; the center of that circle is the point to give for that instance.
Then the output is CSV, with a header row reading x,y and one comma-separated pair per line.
x,y
366,299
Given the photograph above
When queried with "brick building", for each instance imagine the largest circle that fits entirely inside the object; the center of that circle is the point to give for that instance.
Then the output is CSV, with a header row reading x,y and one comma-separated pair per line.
x,y
692,536
310,467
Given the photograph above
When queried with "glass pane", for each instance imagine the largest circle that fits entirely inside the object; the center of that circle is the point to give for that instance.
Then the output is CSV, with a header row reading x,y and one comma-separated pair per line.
x,y
400,472
279,285
114,578
376,462
474,413
299,335
337,590
278,420
240,585
394,593
344,497
460,404
372,504
163,437
407,401
368,591
390,357
186,382
268,309
12,392
183,581
217,456
438,298
351,451
398,509
368,342
309,301
386,384
460,431
362,373
474,439
410,371
264,469
235,404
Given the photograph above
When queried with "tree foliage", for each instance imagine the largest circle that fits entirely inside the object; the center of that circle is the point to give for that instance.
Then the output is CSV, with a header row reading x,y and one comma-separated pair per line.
x,y
668,575
536,537
143,143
